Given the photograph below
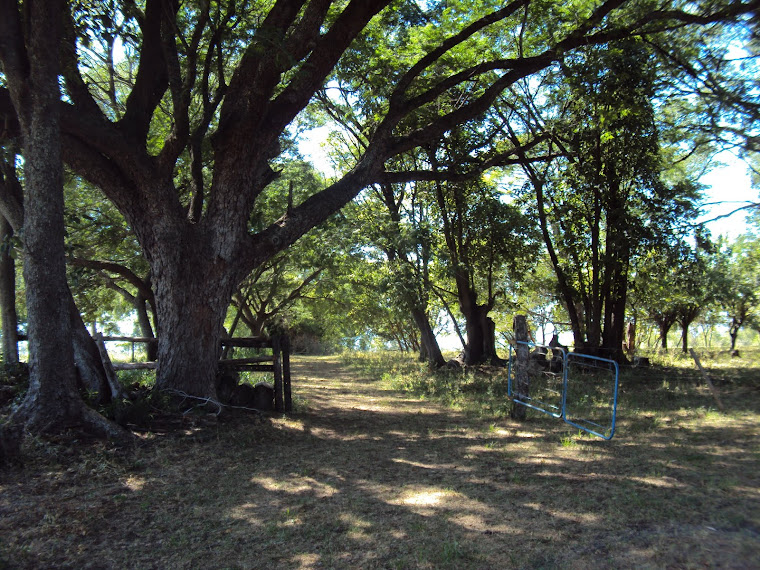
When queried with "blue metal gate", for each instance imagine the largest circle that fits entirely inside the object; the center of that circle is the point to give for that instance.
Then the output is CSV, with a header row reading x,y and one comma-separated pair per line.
x,y
579,388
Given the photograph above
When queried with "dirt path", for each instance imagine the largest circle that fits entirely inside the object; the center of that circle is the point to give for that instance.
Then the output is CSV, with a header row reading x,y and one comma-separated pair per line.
x,y
397,482
365,477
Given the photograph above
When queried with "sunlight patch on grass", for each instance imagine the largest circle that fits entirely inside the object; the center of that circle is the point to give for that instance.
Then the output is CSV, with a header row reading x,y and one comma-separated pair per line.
x,y
134,483
663,482
576,517
438,466
305,560
425,497
296,485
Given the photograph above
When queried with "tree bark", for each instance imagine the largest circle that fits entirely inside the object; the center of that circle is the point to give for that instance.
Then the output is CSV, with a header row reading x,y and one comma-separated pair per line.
x,y
191,301
30,63
8,294
428,342
522,379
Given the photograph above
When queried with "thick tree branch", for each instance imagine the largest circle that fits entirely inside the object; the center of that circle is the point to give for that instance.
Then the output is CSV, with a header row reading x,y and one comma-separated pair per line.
x,y
322,60
125,272
152,77
13,54
181,89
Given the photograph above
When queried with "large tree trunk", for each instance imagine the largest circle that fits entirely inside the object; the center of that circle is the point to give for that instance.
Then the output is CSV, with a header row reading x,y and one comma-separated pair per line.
x,y
428,342
481,337
191,303
8,294
52,401
614,323
615,287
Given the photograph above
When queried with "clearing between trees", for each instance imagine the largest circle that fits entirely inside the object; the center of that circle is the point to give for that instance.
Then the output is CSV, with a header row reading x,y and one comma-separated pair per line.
x,y
363,475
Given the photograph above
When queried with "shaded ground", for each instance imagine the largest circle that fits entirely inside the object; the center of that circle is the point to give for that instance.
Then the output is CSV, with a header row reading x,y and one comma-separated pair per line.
x,y
364,477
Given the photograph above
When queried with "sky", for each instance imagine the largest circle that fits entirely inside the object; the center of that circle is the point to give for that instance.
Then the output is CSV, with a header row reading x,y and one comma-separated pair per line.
x,y
729,187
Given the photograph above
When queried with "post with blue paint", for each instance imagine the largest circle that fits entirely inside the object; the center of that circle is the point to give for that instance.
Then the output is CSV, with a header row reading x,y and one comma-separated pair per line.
x,y
522,355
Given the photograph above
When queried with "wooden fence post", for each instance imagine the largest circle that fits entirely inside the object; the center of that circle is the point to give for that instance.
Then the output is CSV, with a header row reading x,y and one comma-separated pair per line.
x,y
113,380
522,355
286,373
277,365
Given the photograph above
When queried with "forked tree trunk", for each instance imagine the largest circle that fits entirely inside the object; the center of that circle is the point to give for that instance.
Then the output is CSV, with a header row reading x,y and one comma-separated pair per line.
x,y
428,342
481,336
614,331
733,333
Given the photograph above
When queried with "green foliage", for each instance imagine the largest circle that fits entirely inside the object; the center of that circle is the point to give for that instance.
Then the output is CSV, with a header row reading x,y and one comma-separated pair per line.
x,y
99,244
619,113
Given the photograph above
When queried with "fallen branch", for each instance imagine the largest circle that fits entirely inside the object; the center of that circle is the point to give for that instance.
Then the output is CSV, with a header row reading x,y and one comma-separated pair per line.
x,y
205,401
708,381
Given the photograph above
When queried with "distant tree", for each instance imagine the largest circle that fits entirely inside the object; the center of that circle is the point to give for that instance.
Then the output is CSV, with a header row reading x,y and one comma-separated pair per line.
x,y
602,201
696,290
676,285
216,87
485,238
739,290
269,292
403,231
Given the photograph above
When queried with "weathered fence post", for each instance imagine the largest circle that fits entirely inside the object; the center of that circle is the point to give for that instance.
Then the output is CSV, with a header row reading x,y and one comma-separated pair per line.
x,y
277,366
286,373
110,372
522,355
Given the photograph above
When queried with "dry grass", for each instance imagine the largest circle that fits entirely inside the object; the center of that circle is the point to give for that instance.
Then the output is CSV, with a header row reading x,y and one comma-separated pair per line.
x,y
364,476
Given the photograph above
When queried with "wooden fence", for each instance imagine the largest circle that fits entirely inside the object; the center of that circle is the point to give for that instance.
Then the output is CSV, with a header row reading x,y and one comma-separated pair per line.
x,y
278,362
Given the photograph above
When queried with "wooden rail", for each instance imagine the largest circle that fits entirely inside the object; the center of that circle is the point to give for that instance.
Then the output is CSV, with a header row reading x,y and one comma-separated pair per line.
x,y
278,363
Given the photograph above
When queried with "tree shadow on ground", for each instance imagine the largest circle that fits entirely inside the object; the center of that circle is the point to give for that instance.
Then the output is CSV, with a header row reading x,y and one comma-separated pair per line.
x,y
368,478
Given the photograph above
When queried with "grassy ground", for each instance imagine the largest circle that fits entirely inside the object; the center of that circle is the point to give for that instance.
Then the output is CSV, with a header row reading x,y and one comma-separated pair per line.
x,y
365,475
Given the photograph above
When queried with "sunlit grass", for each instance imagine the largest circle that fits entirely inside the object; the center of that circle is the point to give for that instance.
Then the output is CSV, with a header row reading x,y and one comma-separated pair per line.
x,y
373,472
